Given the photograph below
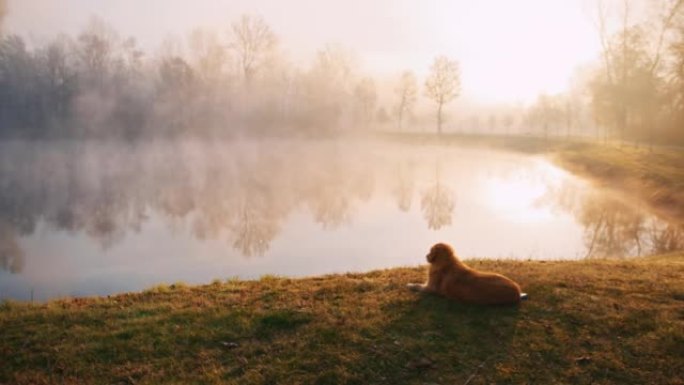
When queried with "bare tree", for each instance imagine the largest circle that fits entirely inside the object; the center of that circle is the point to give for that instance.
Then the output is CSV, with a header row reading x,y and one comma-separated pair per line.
x,y
59,76
605,107
407,91
443,84
327,88
253,43
96,48
631,67
174,91
208,54
670,10
366,97
546,113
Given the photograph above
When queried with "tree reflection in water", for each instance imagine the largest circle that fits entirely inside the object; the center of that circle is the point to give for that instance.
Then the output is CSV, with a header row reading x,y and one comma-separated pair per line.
x,y
437,203
665,237
243,193
614,228
404,185
11,255
238,193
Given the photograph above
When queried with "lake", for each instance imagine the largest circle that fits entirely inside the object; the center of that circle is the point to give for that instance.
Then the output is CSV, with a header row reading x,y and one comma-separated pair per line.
x,y
84,218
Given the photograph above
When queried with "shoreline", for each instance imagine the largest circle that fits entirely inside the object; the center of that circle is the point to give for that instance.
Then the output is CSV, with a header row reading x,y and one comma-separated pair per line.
x,y
653,176
612,321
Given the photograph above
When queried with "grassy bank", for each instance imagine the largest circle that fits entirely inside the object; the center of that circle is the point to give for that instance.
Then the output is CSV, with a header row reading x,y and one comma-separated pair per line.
x,y
653,175
603,322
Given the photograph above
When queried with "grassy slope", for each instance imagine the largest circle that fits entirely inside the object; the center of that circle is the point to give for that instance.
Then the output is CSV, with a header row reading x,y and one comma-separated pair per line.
x,y
656,177
604,322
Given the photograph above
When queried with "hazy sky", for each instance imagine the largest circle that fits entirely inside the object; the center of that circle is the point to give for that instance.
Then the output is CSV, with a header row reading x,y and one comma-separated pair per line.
x,y
509,50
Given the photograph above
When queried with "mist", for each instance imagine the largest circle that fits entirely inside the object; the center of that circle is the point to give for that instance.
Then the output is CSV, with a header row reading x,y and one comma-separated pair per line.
x,y
235,118
230,69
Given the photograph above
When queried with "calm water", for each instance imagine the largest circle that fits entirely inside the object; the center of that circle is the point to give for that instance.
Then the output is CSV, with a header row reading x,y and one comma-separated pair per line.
x,y
82,218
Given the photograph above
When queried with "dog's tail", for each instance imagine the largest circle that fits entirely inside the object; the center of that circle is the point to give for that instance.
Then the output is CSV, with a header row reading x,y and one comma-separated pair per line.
x,y
523,296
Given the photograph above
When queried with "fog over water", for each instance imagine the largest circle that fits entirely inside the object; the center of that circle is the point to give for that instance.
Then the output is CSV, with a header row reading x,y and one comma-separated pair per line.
x,y
157,141
83,218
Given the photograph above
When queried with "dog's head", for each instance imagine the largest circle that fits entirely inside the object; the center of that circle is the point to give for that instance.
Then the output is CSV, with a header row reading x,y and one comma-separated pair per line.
x,y
440,253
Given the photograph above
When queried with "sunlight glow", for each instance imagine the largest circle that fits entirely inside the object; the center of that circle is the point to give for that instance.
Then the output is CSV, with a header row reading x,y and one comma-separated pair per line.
x,y
509,51
514,50
516,200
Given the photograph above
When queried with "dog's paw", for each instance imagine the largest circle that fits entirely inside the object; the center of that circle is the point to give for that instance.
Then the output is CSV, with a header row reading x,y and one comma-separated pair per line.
x,y
414,286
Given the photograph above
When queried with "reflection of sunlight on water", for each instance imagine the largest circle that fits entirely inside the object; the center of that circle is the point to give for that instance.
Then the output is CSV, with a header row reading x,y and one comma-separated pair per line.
x,y
520,198
109,219
516,200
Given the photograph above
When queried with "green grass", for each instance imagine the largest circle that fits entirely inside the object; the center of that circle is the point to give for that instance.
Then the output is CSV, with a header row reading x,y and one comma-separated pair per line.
x,y
603,322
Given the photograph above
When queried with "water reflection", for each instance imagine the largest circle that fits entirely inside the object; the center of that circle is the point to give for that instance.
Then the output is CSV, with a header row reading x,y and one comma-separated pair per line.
x,y
666,237
437,203
404,185
11,256
238,192
613,227
244,193
333,193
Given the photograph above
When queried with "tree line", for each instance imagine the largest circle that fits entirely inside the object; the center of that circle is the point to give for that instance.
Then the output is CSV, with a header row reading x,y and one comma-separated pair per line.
x,y
635,91
100,84
239,81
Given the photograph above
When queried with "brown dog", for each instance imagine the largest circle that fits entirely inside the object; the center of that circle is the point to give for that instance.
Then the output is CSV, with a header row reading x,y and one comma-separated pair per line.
x,y
449,277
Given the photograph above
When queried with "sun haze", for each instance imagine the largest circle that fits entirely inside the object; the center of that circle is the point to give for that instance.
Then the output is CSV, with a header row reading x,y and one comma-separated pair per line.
x,y
508,51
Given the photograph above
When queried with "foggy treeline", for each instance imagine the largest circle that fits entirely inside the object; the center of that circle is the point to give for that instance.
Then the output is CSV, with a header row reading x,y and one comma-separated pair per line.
x,y
239,80
215,83
635,90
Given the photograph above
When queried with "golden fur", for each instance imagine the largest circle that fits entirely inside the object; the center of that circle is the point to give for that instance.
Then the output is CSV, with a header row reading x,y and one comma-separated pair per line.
x,y
451,278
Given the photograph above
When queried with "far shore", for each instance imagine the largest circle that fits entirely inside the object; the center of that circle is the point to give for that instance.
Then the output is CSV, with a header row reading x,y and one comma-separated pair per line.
x,y
652,174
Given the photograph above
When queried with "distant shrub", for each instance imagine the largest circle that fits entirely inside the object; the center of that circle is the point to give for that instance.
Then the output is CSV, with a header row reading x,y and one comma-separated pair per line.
x,y
160,288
